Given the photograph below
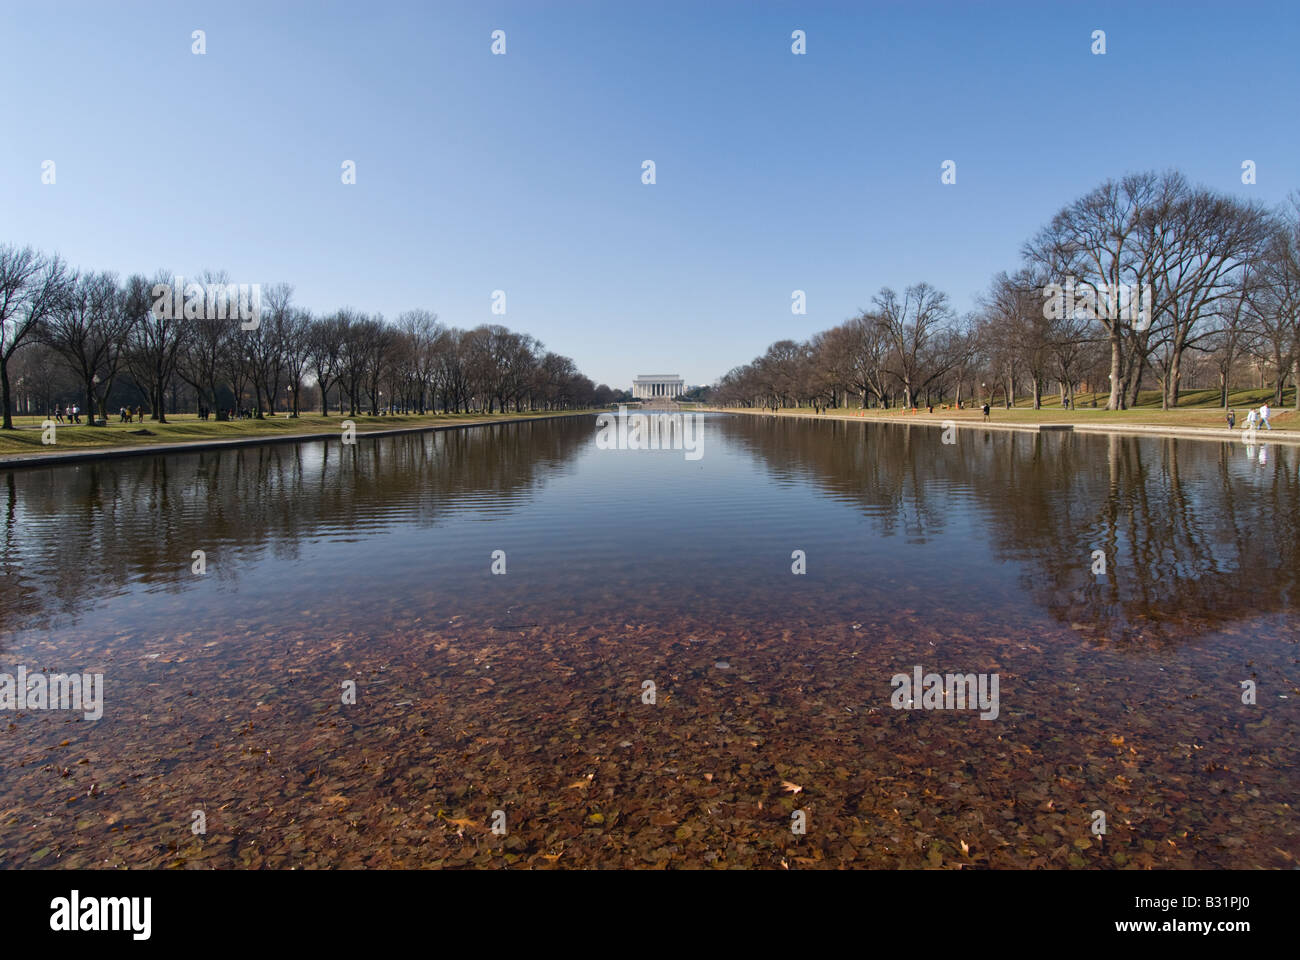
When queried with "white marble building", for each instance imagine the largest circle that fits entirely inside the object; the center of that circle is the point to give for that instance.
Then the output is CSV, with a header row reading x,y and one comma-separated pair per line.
x,y
647,386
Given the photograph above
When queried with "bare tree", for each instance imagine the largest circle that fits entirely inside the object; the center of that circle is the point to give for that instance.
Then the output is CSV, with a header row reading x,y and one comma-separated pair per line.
x,y
864,341
205,357
1198,241
296,343
1275,306
156,339
89,329
909,325
325,347
31,286
265,347
1097,238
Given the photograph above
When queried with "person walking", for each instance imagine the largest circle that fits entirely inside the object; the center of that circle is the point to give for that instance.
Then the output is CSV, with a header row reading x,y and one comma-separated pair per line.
x,y
1263,416
1252,418
986,413
1232,419
58,413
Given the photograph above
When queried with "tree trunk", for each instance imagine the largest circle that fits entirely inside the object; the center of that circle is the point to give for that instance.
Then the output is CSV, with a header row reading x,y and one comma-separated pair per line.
x,y
221,414
1175,372
1136,371
4,390
1116,374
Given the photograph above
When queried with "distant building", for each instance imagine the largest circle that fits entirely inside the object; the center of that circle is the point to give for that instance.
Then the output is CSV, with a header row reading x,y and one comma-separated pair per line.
x,y
648,386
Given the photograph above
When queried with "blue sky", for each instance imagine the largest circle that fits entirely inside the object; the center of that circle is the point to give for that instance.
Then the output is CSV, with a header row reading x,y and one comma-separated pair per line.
x,y
522,172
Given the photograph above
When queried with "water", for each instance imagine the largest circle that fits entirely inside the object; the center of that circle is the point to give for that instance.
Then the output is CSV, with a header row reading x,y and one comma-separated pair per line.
x,y
524,692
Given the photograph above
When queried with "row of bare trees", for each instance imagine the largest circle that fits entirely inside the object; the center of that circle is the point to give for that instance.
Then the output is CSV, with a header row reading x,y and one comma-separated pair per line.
x,y
902,349
1167,282
100,335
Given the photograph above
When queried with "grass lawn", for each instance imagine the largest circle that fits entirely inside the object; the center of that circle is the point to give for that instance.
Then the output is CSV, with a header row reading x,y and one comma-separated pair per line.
x,y
183,428
1198,408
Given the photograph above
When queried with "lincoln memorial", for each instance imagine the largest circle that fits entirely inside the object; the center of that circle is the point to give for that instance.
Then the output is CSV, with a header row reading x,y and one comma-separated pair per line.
x,y
647,386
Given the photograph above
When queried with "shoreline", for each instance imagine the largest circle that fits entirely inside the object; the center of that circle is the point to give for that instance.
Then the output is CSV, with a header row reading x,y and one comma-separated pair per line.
x,y
1215,434
22,461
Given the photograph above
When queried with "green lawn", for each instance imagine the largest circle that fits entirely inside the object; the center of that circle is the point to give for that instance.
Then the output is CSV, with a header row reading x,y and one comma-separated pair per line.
x,y
183,428
1188,399
1198,408
1197,417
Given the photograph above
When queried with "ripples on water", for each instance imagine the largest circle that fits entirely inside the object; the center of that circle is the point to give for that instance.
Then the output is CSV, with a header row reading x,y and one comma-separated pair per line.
x,y
327,562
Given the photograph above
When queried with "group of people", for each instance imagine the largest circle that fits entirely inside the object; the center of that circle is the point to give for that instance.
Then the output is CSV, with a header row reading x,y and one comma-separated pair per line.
x,y
242,413
1254,419
72,414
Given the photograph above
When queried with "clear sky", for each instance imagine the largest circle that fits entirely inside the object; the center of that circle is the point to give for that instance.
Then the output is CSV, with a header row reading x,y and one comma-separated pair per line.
x,y
522,172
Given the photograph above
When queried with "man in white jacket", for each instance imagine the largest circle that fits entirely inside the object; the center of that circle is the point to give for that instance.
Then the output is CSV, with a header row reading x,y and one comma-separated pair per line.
x,y
1263,416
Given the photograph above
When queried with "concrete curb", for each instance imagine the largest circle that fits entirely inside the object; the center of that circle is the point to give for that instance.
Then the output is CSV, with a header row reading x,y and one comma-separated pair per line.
x,y
198,446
